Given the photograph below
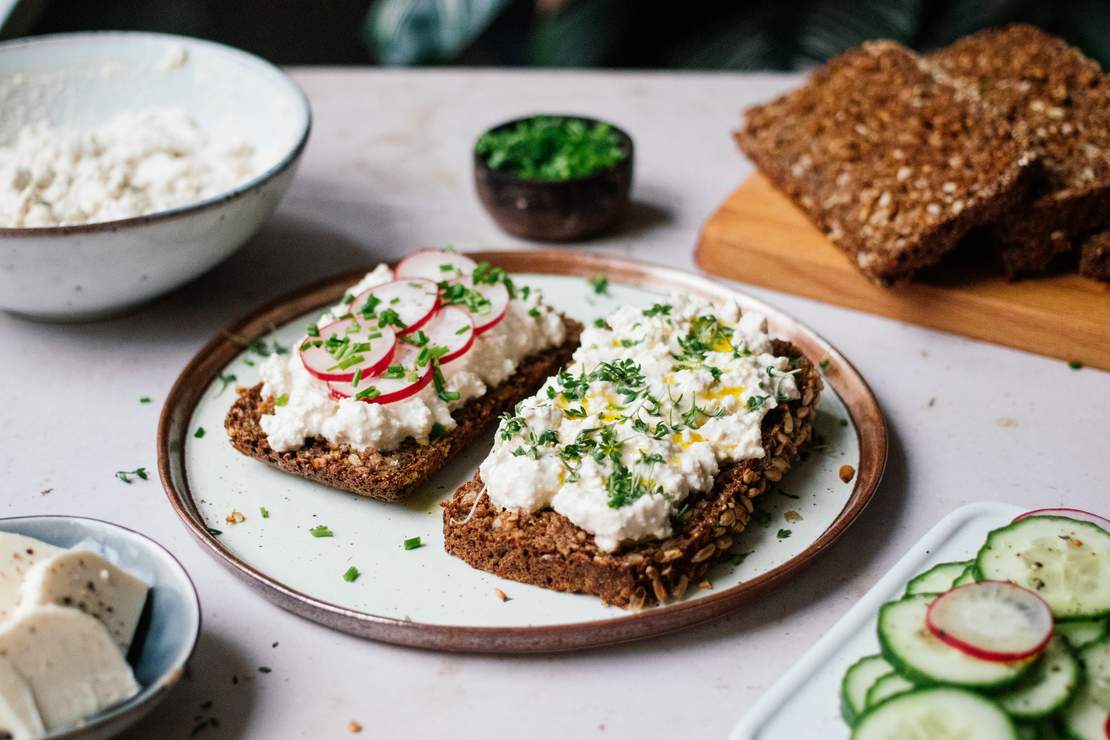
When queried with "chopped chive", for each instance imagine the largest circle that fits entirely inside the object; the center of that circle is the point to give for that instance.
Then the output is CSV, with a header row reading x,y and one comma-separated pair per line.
x,y
463,329
357,379
321,530
144,399
438,430
784,533
199,433
735,558
1075,365
351,575
843,422
313,330
534,313
368,393
126,475
214,531
225,379
412,543
394,372
282,399
264,512
599,322
824,364
600,284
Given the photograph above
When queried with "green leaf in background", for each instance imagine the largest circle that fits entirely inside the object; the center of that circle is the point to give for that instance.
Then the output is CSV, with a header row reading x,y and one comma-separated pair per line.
x,y
585,33
407,32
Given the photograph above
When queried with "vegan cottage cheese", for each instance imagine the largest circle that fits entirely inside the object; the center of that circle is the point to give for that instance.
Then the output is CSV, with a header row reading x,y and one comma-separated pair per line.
x,y
654,402
528,327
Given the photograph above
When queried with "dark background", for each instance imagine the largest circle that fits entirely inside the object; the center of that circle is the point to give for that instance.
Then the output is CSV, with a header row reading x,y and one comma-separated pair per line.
x,y
683,34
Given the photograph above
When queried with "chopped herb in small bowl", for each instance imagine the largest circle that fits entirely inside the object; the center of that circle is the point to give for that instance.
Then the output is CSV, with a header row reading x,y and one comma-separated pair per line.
x,y
554,178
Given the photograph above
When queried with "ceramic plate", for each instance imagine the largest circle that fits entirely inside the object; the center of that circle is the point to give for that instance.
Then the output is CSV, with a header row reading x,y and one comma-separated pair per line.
x,y
805,702
426,598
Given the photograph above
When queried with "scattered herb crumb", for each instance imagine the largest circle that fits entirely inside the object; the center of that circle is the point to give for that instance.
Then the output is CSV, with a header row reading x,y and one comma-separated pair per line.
x,y
412,543
735,558
847,472
783,534
199,433
351,575
321,530
792,516
1075,364
282,399
265,669
824,364
501,595
844,422
144,399
599,322
600,284
706,585
127,475
354,727
264,512
276,643
781,492
235,517
225,379
213,531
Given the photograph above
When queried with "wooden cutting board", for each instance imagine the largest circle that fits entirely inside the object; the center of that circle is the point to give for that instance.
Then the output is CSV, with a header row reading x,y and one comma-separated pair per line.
x,y
758,236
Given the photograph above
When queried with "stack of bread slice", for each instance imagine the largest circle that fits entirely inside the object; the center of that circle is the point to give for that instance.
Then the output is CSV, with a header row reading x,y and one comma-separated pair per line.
x,y
898,156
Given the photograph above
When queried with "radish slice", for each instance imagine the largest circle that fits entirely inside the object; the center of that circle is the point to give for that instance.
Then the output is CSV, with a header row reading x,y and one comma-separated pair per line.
x,y
435,265
347,346
1077,514
414,301
451,328
991,620
402,379
491,312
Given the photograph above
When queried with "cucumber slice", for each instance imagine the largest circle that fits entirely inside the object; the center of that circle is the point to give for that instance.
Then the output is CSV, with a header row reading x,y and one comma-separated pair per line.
x,y
922,658
859,677
887,686
940,713
1066,562
1087,717
1079,634
1096,664
1047,687
969,575
1043,730
937,579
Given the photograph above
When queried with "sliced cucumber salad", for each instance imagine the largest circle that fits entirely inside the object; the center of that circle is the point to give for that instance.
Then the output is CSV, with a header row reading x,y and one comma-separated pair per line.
x,y
1012,644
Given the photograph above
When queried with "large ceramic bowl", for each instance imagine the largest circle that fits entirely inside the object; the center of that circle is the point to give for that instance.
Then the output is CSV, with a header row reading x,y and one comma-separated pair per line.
x,y
167,641
81,81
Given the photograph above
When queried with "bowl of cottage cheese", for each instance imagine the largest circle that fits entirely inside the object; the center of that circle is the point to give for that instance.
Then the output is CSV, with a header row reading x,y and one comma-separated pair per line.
x,y
131,163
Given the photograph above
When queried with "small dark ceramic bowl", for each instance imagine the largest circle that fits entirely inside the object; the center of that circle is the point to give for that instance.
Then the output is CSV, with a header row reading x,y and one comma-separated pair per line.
x,y
556,210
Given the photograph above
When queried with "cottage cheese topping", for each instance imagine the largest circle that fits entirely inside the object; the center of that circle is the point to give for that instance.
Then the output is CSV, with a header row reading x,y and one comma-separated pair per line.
x,y
139,162
529,326
650,408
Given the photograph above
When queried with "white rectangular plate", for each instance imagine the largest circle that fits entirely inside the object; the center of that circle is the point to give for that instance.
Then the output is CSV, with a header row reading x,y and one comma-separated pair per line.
x,y
805,702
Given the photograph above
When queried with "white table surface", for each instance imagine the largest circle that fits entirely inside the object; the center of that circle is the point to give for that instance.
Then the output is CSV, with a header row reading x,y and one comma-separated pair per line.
x,y
388,169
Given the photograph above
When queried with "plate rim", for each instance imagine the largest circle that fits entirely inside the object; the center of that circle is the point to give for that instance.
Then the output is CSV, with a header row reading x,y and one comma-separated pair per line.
x,y
867,417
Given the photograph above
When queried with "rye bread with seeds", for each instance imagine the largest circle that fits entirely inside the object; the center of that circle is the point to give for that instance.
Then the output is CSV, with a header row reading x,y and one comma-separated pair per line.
x,y
390,475
1094,257
545,549
887,157
1059,101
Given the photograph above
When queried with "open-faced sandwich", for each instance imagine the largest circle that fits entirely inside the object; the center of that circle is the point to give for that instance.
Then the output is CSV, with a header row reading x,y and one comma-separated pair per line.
x,y
628,474
409,367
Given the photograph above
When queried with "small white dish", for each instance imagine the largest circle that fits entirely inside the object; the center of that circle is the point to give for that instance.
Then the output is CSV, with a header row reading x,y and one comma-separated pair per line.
x,y
805,702
172,623
82,80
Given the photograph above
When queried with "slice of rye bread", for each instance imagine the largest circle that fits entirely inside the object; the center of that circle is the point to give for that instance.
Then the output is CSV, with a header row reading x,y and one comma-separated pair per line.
x,y
893,162
1059,101
390,475
1094,257
545,549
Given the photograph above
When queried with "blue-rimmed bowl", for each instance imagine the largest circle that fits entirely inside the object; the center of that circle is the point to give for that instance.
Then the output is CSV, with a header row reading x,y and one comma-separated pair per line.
x,y
174,624
81,81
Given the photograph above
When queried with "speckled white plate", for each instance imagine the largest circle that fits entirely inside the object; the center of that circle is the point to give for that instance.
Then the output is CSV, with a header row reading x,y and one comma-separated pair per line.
x,y
427,598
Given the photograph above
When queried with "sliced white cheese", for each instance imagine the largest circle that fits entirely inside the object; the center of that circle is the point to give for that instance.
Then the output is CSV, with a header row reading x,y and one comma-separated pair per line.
x,y
17,554
86,581
73,667
19,717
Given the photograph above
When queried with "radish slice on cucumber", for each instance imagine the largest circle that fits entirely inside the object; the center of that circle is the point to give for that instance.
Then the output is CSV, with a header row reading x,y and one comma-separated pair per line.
x,y
406,305
991,620
346,347
435,265
402,379
1077,514
450,333
1064,561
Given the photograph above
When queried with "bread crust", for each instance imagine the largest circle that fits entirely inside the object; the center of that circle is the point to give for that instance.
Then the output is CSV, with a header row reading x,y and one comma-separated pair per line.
x,y
392,474
889,158
545,549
